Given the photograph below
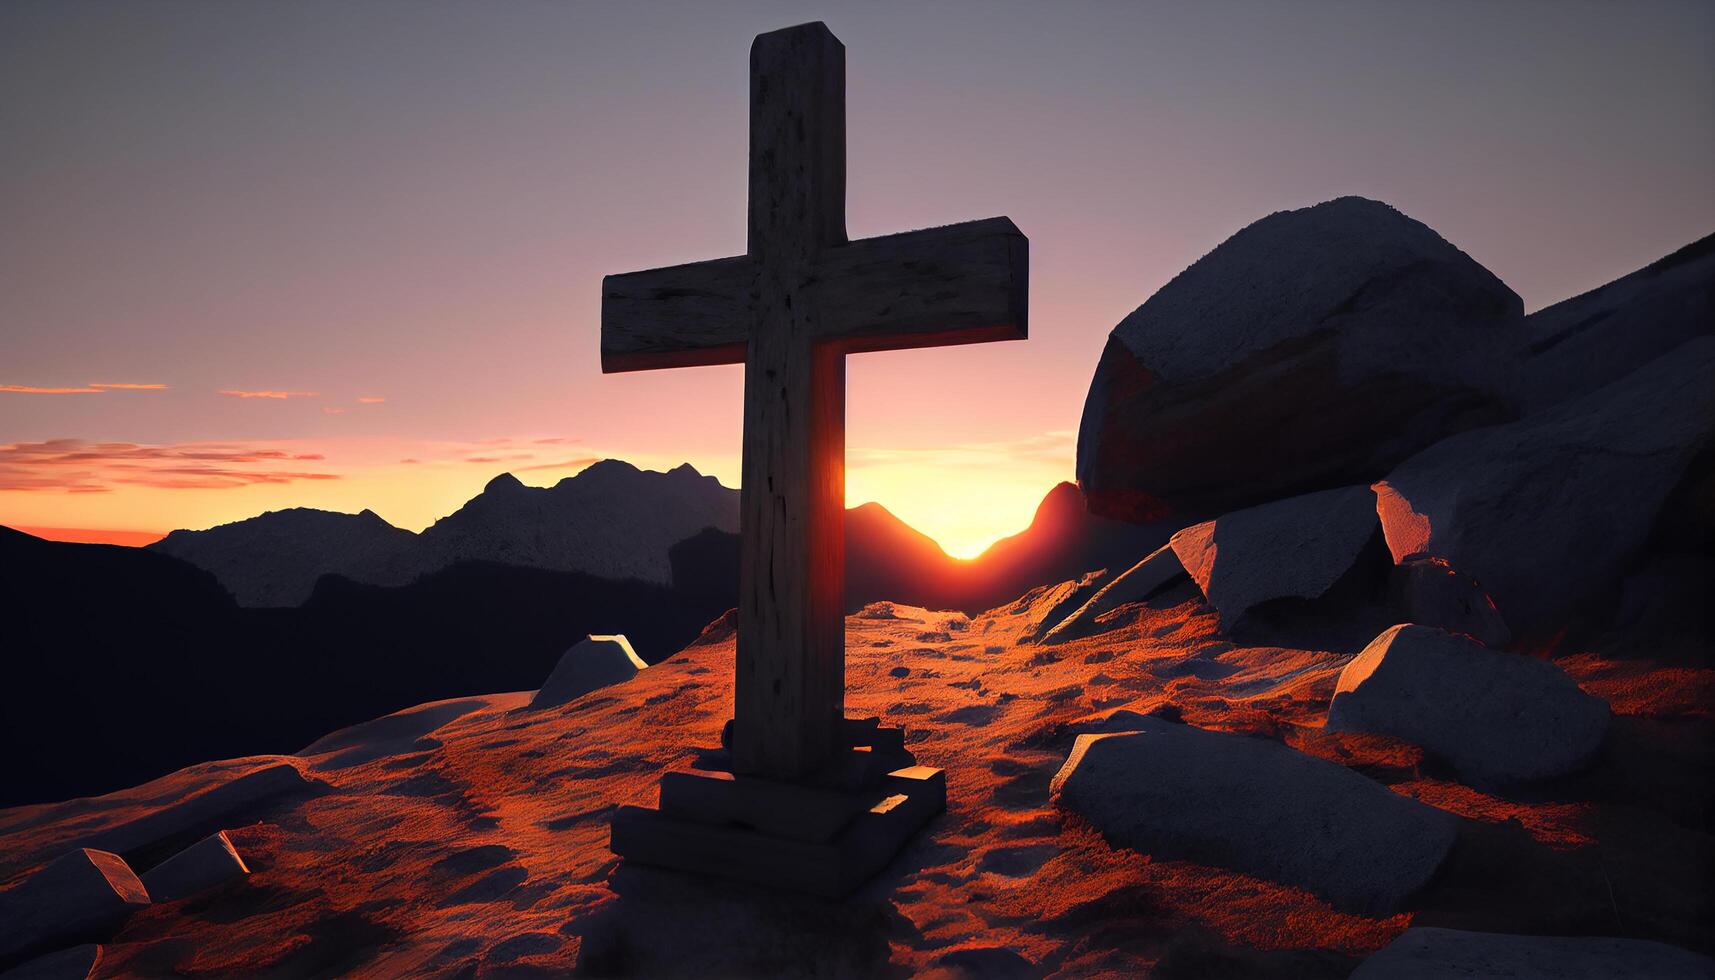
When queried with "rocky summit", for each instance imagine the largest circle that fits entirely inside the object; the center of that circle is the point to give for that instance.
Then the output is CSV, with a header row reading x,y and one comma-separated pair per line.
x,y
1382,649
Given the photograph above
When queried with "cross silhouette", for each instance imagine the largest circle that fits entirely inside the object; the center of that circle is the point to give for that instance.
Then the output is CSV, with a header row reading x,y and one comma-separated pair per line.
x,y
790,309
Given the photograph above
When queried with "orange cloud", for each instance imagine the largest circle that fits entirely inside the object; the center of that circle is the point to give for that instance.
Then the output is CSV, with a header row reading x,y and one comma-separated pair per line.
x,y
31,390
331,410
509,457
79,466
127,387
268,394
370,400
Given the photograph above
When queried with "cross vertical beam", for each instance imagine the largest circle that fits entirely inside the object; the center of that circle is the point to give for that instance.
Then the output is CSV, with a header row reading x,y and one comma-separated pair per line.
x,y
790,681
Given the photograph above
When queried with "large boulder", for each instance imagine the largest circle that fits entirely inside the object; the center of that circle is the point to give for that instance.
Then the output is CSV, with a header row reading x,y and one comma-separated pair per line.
x,y
595,663
1547,510
1498,718
1426,953
1235,801
80,896
1295,548
1314,348
1595,338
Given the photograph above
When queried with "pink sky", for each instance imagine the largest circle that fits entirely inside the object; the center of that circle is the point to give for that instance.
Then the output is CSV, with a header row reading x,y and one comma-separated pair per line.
x,y
387,223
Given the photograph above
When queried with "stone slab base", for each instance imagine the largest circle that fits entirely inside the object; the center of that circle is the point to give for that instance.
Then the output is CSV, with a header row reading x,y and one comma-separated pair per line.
x,y
785,835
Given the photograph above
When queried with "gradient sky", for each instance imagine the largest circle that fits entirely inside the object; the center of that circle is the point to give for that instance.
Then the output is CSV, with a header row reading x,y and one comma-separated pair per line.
x,y
397,216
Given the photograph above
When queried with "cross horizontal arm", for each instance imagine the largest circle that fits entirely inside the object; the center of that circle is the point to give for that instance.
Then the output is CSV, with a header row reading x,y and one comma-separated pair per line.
x,y
678,316
958,284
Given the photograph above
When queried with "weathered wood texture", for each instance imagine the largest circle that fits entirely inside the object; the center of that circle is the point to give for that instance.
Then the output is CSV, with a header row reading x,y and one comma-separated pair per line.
x,y
957,284
791,309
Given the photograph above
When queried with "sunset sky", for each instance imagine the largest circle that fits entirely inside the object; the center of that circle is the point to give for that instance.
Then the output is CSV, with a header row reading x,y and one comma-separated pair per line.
x,y
348,255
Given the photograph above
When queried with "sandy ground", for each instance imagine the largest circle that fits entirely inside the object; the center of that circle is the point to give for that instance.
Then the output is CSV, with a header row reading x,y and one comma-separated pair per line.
x,y
468,838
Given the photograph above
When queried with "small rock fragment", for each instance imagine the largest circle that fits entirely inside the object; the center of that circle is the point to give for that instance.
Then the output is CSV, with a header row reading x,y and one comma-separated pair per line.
x,y
594,663
1431,592
76,963
1149,576
79,896
210,862
1293,548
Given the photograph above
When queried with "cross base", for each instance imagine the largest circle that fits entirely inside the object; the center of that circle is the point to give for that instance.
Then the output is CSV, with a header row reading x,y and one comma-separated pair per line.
x,y
824,836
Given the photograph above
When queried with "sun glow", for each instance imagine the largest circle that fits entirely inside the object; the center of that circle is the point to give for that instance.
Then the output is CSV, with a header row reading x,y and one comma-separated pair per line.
x,y
965,497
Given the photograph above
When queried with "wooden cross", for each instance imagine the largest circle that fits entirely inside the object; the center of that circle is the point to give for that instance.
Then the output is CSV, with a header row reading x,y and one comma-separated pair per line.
x,y
790,309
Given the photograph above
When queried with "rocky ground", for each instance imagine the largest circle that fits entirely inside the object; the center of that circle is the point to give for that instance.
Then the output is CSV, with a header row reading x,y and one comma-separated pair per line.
x,y
468,837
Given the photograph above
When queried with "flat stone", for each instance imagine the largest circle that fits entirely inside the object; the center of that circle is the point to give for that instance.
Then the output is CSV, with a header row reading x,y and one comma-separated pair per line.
x,y
209,863
1047,606
1547,512
76,963
80,896
1426,953
589,665
1496,717
204,813
1155,572
1176,792
893,812
782,809
1293,548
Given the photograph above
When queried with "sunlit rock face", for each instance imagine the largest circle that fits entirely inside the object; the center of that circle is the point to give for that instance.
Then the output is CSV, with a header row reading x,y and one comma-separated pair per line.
x,y
1497,717
1544,511
1313,349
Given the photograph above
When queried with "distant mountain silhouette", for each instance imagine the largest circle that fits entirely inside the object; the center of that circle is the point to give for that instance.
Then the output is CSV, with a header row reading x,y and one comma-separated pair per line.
x,y
120,664
275,558
611,520
615,521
